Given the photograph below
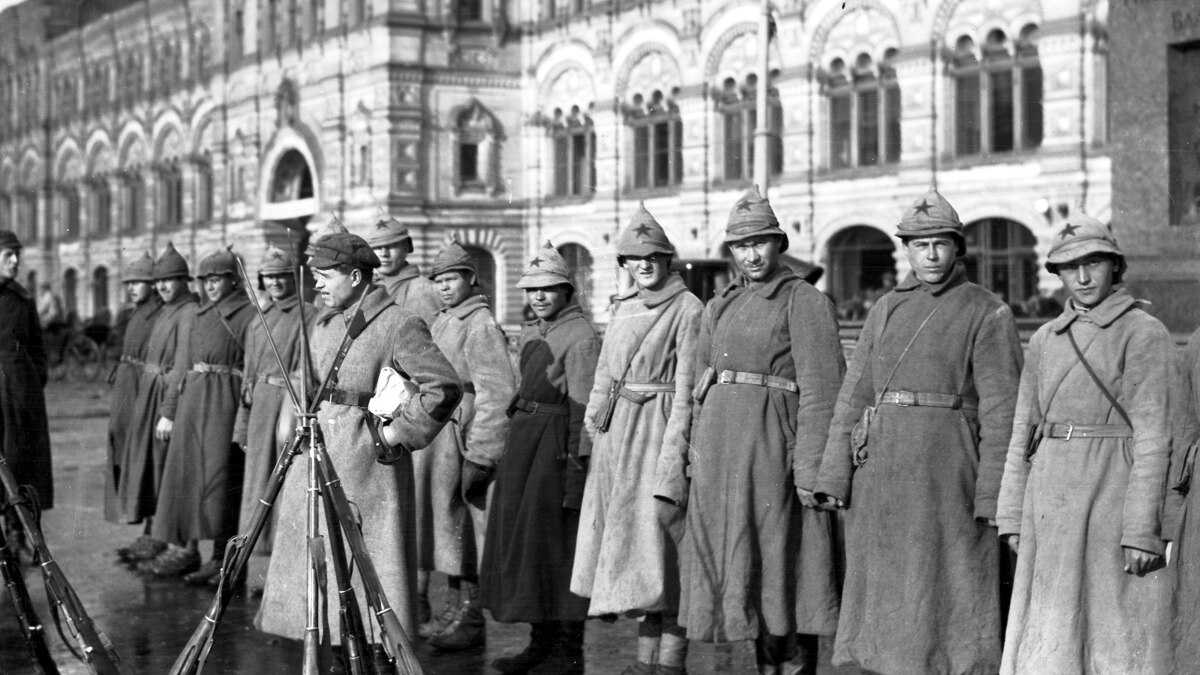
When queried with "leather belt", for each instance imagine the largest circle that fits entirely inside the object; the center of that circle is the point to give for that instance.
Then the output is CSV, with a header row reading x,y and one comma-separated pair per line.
x,y
1066,430
356,399
133,361
758,379
215,368
929,400
536,408
155,369
273,380
639,393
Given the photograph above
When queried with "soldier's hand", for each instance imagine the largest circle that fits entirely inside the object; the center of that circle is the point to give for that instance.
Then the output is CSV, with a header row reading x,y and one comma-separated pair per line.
x,y
831,503
1013,541
807,498
1141,562
162,430
475,480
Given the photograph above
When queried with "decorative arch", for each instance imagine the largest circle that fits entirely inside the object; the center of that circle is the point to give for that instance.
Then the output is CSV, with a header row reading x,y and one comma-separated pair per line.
x,y
550,63
649,67
98,151
734,54
168,144
299,139
568,84
68,167
958,17
202,127
132,144
30,176
869,26
7,175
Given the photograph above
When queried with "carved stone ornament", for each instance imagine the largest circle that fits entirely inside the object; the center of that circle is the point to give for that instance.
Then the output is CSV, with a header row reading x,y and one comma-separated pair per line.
x,y
287,104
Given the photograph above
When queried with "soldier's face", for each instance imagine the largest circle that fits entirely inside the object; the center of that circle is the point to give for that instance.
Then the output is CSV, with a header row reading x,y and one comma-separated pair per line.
x,y
279,286
169,289
756,257
391,258
10,263
218,286
931,258
138,292
547,302
338,289
454,286
649,272
1089,279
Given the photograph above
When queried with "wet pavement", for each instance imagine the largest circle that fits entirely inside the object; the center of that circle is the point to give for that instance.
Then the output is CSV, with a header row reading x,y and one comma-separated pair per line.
x,y
149,620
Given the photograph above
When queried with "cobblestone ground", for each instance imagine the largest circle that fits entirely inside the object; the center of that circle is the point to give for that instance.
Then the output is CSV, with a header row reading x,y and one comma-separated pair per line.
x,y
149,621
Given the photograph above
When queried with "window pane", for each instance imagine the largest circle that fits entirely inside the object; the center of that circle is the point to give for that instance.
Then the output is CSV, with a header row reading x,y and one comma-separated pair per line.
x,y
468,162
662,154
677,153
562,160
733,145
750,124
641,156
868,127
1001,114
966,114
579,164
891,116
776,139
1031,102
839,131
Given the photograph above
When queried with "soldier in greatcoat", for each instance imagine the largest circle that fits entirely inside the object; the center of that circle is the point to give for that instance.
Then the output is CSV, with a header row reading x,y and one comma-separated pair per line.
x,y
24,430
465,453
1181,518
395,338
915,453
266,421
1082,496
138,280
157,399
758,557
533,517
392,243
640,409
202,476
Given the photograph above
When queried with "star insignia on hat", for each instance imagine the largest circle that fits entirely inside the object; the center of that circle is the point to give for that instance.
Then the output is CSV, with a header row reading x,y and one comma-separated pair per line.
x,y
275,255
642,230
1068,231
923,207
536,262
743,206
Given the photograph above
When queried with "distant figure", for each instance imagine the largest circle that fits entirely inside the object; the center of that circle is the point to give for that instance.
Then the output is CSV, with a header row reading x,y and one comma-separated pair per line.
x,y
50,308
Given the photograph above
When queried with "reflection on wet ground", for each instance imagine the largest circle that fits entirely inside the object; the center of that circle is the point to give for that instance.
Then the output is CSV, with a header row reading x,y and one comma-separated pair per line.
x,y
149,620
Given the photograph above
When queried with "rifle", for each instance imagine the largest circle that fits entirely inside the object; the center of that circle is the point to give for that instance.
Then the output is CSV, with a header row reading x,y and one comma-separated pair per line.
x,y
27,618
95,649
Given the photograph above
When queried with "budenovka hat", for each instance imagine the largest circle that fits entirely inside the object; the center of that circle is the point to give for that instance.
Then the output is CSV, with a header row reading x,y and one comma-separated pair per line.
x,y
643,236
1082,235
453,257
928,216
141,269
9,240
388,232
341,248
276,261
217,264
170,264
334,226
546,269
752,216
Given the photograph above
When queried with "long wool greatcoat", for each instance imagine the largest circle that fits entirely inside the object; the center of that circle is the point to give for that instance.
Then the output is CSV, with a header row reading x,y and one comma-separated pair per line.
x,y
921,593
1074,609
1182,519
157,396
472,340
381,493
24,430
533,516
202,476
754,561
627,555
263,397
122,411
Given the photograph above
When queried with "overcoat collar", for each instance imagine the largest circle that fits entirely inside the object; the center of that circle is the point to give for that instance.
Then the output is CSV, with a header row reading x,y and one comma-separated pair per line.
x,y
766,288
956,277
569,313
672,287
374,302
181,300
1109,310
467,307
285,305
409,271
228,306
16,287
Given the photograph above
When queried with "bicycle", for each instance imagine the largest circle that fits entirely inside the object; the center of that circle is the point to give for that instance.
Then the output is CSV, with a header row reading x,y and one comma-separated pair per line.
x,y
72,354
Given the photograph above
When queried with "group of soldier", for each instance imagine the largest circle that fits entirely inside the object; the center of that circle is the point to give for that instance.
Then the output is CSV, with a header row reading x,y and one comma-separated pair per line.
x,y
717,472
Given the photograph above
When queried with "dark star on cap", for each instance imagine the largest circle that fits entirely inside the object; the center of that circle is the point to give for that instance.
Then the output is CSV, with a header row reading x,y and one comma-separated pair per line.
x,y
743,206
1068,231
642,230
923,207
536,262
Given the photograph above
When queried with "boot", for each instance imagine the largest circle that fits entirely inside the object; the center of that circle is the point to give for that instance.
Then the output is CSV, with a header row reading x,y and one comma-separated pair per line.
x,y
770,653
466,631
567,656
541,642
804,660
144,547
449,615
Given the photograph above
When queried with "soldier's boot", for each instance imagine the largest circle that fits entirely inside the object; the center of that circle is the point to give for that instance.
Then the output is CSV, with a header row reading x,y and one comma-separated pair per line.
x,y
672,651
771,653
541,642
144,547
439,623
467,631
566,658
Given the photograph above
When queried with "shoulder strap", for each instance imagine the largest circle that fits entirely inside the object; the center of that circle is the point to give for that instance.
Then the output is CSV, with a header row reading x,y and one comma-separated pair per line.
x,y
900,359
1096,379
642,337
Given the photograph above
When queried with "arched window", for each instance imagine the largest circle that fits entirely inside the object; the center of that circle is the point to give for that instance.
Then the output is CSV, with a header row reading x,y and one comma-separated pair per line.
x,y
71,293
737,106
477,135
27,215
100,208
133,201
579,261
656,133
100,311
204,192
862,267
1000,257
864,112
574,158
170,196
997,94
68,212
485,265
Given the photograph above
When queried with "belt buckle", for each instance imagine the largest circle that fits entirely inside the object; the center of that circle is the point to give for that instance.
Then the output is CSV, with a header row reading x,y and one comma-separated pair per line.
x,y
1070,430
533,408
905,398
726,377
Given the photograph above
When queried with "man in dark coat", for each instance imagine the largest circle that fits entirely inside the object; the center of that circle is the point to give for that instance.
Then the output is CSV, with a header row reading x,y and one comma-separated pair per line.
x,y
138,279
202,477
24,431
533,518
936,368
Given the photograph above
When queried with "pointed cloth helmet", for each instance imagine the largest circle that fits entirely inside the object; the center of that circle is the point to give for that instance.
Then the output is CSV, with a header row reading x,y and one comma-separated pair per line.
x,y
141,269
334,226
276,261
546,269
1082,235
453,257
388,232
752,216
170,264
643,236
218,263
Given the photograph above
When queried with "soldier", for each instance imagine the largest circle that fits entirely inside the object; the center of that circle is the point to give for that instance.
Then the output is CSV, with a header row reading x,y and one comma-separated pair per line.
x,y
533,517
24,430
757,561
640,409
202,476
394,338
1083,488
465,453
265,418
156,401
138,281
925,415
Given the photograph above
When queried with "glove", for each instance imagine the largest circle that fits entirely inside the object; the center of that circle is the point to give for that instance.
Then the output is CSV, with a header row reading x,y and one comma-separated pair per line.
x,y
475,480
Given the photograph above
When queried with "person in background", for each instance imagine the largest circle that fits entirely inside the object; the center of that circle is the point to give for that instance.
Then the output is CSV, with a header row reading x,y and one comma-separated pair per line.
x,y
1082,496
50,308
533,517
640,410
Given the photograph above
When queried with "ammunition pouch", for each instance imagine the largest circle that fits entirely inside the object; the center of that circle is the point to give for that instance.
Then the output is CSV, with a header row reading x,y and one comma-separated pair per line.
x,y
703,384
1033,438
603,416
860,435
